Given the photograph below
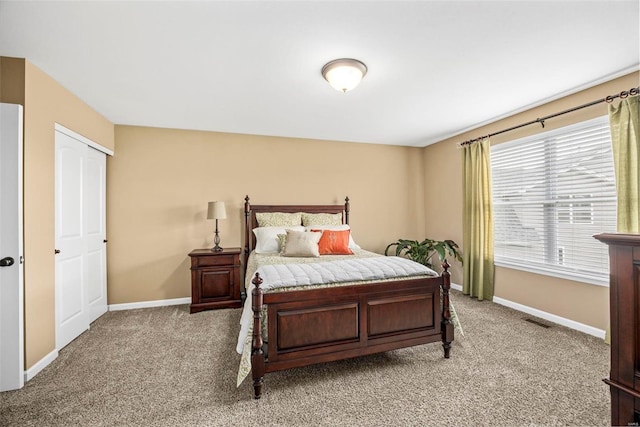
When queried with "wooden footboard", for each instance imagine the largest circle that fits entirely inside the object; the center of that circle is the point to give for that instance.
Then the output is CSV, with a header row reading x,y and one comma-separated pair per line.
x,y
323,325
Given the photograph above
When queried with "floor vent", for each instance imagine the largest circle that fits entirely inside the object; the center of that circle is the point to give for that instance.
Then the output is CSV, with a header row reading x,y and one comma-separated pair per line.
x,y
536,322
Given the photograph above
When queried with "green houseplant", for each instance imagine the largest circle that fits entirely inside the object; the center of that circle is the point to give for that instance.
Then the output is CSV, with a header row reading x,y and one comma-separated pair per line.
x,y
423,251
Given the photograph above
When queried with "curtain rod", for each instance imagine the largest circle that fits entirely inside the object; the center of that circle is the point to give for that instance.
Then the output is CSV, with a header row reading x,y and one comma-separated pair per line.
x,y
608,99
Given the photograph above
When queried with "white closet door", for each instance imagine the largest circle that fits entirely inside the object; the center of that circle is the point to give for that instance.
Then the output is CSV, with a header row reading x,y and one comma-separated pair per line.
x,y
81,291
95,232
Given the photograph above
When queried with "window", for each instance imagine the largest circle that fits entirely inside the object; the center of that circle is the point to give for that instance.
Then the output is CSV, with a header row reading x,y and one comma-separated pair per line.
x,y
551,193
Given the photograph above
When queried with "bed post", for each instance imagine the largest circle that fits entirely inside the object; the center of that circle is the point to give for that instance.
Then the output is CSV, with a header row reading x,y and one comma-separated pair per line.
x,y
247,249
447,326
247,229
257,354
346,210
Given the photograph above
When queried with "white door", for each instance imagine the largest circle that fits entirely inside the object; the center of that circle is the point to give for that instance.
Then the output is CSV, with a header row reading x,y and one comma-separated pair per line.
x,y
81,274
95,232
11,267
71,310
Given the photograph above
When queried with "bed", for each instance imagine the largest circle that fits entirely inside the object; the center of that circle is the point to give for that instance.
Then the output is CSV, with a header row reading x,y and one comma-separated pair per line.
x,y
294,327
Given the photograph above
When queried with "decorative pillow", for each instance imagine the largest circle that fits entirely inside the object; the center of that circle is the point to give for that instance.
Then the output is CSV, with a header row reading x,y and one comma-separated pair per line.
x,y
321,219
352,244
302,244
278,219
267,238
334,242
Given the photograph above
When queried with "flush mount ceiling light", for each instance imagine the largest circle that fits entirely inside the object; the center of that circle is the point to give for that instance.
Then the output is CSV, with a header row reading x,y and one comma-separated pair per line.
x,y
344,74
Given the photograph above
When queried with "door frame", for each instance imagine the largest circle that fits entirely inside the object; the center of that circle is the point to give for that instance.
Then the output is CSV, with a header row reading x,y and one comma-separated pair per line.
x,y
82,139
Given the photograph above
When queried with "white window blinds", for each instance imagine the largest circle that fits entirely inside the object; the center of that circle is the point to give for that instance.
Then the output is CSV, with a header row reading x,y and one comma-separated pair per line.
x,y
551,193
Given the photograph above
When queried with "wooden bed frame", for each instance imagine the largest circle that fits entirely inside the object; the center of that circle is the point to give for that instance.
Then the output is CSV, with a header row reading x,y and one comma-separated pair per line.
x,y
322,325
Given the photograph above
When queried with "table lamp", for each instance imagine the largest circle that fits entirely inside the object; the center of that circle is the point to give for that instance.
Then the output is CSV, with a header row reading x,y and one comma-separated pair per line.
x,y
216,210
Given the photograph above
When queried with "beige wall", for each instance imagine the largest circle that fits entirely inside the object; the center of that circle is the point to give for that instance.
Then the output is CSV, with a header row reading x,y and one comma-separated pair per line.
x,y
45,103
12,80
160,180
584,303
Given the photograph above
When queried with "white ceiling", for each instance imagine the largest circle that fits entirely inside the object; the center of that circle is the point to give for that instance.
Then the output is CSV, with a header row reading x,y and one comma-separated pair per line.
x,y
436,68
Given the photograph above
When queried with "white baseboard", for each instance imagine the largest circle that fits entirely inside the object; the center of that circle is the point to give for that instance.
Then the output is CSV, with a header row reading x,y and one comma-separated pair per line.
x,y
546,316
148,304
40,365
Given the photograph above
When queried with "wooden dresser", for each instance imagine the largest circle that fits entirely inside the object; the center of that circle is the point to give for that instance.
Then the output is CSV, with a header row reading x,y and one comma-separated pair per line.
x,y
624,379
215,279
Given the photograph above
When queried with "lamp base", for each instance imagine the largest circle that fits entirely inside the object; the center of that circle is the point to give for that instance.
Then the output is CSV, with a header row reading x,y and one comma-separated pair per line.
x,y
216,240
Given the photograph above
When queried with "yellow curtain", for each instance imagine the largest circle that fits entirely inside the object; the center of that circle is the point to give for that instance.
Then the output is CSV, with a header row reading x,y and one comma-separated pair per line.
x,y
623,120
477,220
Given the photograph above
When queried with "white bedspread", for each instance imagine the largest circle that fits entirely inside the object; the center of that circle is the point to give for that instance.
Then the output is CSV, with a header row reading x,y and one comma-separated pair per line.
x,y
348,270
339,271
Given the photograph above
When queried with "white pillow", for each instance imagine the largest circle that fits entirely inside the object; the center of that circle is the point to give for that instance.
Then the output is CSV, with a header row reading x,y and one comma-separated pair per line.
x,y
352,244
302,244
267,238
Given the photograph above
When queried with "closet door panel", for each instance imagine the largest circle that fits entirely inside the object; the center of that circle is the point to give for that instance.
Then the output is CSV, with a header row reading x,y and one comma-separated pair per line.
x,y
95,232
71,312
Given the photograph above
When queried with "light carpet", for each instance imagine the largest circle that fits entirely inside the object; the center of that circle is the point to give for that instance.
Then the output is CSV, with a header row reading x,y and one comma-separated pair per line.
x,y
166,367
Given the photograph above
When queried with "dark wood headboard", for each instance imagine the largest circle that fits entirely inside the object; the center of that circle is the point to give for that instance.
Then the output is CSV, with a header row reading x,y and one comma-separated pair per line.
x,y
251,222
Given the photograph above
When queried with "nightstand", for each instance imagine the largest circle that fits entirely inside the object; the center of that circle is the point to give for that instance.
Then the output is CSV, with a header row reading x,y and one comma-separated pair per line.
x,y
215,279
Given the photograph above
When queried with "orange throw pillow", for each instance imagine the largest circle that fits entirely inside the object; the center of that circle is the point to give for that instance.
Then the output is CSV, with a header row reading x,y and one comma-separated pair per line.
x,y
334,242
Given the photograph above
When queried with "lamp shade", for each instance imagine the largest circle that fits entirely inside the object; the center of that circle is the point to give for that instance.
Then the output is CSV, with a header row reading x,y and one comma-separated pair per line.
x,y
216,210
344,74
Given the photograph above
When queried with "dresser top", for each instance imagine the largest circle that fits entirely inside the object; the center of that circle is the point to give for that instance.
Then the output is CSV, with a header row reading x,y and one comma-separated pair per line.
x,y
619,239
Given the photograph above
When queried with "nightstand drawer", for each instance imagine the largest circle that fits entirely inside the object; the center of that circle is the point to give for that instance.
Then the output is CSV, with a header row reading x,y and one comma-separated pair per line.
x,y
208,261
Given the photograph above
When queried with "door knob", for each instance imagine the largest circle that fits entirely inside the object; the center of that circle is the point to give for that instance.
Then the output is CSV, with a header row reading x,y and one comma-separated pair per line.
x,y
56,251
6,262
